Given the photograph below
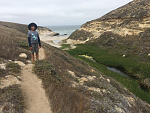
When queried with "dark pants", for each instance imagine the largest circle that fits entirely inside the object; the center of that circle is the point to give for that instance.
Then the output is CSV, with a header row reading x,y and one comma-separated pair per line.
x,y
35,48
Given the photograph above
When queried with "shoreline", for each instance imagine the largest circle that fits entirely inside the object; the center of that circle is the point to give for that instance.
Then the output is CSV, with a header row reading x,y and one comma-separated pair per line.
x,y
51,40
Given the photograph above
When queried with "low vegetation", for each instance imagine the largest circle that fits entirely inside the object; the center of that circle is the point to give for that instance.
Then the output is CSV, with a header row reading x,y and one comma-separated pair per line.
x,y
130,66
66,46
11,100
24,44
11,97
57,84
13,68
46,71
13,41
80,35
12,44
67,94
64,90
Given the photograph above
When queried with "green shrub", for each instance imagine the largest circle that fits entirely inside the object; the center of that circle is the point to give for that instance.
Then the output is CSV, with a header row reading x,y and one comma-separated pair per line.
x,y
13,67
23,44
64,46
46,71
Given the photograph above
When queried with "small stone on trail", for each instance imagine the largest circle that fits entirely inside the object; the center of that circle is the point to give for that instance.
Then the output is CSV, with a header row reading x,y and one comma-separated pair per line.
x,y
23,55
20,63
29,61
3,66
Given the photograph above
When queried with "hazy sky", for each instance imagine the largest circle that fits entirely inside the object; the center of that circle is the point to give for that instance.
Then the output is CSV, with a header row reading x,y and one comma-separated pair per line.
x,y
56,12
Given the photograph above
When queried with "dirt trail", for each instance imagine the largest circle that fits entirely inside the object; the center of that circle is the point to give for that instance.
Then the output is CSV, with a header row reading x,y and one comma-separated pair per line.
x,y
34,94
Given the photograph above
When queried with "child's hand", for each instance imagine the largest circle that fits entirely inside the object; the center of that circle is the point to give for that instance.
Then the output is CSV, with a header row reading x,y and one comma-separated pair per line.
x,y
39,47
30,48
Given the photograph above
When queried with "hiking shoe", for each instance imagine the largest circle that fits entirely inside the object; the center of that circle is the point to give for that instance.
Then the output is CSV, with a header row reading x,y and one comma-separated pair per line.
x,y
33,61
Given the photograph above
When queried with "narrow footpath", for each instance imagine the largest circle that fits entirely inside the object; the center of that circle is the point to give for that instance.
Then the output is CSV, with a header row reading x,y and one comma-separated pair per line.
x,y
35,98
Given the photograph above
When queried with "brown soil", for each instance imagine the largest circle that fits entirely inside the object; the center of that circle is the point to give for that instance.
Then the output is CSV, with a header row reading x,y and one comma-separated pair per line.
x,y
34,94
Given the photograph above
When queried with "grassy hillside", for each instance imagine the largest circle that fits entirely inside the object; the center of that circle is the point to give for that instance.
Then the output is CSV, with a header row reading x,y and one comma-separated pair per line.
x,y
72,85
62,77
138,70
15,26
13,41
124,31
135,49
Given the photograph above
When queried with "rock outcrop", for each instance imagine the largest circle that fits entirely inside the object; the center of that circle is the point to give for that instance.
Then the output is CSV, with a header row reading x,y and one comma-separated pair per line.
x,y
43,30
9,81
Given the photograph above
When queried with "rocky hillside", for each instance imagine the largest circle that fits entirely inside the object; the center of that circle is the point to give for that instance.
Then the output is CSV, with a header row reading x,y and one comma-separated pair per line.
x,y
82,88
23,28
14,54
125,30
71,84
131,19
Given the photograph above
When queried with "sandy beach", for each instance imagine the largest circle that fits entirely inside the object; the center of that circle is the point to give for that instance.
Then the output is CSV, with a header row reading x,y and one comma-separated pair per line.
x,y
52,40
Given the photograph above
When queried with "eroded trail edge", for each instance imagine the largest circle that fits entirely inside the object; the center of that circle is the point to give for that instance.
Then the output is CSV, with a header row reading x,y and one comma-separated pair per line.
x,y
34,94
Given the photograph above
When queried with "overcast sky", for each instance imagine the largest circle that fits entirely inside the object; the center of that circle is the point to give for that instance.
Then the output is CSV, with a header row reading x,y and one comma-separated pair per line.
x,y
56,12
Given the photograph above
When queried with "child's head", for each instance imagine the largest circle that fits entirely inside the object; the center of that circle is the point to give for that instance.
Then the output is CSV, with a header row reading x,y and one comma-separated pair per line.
x,y
32,26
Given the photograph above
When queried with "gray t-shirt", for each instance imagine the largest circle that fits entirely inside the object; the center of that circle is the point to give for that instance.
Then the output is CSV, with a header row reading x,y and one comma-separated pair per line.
x,y
33,36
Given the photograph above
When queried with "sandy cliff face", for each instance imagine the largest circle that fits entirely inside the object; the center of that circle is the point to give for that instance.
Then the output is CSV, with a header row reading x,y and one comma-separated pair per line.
x,y
43,30
130,19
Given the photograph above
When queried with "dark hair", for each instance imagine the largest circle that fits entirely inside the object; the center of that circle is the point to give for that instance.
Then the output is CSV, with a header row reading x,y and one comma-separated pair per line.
x,y
32,24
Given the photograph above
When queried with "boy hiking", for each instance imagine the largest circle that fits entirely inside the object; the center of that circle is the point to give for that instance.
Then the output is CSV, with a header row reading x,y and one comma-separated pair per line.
x,y
34,41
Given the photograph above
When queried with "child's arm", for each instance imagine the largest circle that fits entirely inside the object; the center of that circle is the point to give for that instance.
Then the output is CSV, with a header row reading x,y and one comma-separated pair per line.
x,y
29,40
39,40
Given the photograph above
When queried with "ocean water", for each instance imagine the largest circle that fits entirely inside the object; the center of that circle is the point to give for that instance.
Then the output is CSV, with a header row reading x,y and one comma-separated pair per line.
x,y
64,29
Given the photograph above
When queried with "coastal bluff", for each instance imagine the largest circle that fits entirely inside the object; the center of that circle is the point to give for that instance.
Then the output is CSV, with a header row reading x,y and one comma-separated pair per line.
x,y
71,85
128,20
23,28
125,30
